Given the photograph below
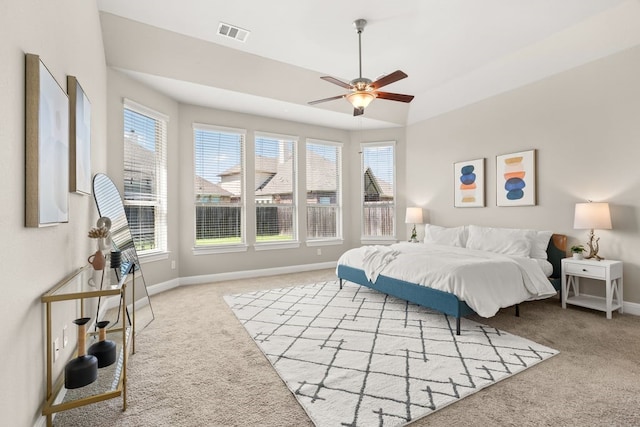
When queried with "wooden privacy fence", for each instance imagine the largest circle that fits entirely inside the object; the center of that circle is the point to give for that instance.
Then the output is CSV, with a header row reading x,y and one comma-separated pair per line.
x,y
379,218
213,222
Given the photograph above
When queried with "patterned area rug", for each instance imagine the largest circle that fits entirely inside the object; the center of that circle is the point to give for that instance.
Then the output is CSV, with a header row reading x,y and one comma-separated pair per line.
x,y
357,357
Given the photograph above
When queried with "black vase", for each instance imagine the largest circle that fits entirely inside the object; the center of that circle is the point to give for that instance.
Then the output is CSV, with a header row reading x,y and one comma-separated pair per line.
x,y
83,370
104,350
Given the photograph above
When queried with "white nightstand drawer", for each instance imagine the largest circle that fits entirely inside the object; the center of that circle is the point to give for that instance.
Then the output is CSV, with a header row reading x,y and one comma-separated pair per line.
x,y
594,271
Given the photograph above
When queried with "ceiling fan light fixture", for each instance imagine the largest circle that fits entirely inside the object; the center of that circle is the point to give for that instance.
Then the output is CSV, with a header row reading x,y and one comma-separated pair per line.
x,y
361,98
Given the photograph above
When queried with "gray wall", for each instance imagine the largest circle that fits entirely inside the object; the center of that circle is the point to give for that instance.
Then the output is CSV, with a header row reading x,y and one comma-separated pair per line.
x,y
66,35
585,126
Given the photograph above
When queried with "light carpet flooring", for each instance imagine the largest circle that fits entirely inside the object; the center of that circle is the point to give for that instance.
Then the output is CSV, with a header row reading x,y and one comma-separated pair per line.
x,y
195,365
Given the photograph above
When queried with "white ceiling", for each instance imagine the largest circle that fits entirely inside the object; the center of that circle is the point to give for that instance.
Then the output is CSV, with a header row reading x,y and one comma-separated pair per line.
x,y
455,52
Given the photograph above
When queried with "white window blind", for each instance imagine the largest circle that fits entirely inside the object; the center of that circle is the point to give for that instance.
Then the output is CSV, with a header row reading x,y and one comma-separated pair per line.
x,y
324,182
145,176
378,190
275,185
218,181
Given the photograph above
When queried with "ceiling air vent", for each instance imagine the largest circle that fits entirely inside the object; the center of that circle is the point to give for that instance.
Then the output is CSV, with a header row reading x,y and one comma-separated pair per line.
x,y
233,32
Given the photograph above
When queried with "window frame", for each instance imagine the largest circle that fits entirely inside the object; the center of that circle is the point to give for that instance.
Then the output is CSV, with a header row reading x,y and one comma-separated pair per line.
x,y
367,239
294,242
160,204
338,238
230,247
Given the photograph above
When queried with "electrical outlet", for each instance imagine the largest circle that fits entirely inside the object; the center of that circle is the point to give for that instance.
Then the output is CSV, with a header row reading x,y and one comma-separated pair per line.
x,y
173,264
56,349
319,251
65,338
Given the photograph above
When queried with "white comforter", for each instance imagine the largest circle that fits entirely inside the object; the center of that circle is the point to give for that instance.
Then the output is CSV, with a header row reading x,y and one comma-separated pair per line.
x,y
486,281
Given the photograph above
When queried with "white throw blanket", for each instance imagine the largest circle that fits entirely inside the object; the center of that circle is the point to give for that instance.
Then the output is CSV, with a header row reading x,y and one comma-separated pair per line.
x,y
486,281
375,259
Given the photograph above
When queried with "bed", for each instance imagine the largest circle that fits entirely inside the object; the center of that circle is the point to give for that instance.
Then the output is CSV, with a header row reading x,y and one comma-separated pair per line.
x,y
435,273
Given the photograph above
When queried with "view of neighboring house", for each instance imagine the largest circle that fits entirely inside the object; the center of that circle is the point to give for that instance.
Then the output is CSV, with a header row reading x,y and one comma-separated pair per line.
x,y
375,189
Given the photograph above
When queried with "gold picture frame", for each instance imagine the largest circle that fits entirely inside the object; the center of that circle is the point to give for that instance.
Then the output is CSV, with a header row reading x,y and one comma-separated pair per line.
x,y
46,146
79,138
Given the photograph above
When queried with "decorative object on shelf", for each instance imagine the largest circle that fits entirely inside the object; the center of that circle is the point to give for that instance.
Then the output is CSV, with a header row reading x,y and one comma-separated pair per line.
x,y
105,222
83,370
104,350
102,234
46,146
577,251
413,216
516,179
115,262
97,260
115,259
589,216
468,184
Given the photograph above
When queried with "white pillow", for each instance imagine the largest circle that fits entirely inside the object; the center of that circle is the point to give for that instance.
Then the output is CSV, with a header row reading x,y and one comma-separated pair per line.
x,y
454,236
539,244
506,241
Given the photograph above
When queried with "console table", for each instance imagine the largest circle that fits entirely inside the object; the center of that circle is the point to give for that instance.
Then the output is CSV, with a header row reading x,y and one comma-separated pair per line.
x,y
112,380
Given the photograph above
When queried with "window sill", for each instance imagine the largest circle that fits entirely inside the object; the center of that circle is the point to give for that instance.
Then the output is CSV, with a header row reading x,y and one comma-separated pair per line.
x,y
153,256
327,242
281,245
208,250
378,241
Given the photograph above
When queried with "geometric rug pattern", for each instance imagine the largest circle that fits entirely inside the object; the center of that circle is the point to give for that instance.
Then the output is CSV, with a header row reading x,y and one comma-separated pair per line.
x,y
358,357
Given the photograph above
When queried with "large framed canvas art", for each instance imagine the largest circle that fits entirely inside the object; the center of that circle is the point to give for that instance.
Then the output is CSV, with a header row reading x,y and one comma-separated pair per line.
x,y
46,147
468,184
79,138
516,179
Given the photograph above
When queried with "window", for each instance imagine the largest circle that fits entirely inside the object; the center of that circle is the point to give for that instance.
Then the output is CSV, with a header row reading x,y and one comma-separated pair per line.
x,y
324,182
145,176
218,181
378,190
275,185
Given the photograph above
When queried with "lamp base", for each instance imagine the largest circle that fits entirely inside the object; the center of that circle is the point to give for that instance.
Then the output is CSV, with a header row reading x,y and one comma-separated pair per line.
x,y
414,235
593,247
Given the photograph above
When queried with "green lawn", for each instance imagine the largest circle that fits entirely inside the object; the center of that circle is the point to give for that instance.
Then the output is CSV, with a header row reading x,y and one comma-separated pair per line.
x,y
232,240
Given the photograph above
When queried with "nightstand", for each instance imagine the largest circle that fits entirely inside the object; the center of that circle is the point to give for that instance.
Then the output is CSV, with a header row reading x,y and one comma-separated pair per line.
x,y
606,270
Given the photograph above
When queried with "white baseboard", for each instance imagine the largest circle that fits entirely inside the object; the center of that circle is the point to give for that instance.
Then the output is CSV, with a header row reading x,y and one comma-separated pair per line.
x,y
631,308
248,274
164,286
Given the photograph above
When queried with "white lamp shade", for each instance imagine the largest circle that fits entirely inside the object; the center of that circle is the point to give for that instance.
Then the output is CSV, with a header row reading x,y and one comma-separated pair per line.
x,y
592,216
413,216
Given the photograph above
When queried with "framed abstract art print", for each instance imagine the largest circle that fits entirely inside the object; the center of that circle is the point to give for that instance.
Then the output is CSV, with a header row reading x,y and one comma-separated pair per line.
x,y
516,179
468,184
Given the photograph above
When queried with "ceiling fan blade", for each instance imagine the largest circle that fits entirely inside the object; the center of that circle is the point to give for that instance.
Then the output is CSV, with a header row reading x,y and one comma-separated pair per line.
x,y
358,111
326,99
389,78
394,96
337,82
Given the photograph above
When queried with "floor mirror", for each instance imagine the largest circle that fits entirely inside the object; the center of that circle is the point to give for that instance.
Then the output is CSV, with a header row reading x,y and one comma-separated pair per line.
x,y
110,205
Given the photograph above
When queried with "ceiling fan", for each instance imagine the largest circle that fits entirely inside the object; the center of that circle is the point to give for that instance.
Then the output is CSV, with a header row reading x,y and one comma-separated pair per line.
x,y
363,90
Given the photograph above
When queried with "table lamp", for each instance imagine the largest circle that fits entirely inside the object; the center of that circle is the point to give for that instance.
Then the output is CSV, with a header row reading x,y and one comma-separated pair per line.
x,y
589,216
413,216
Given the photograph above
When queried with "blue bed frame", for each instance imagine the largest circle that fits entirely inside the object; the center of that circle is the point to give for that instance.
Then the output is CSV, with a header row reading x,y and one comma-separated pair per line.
x,y
444,302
